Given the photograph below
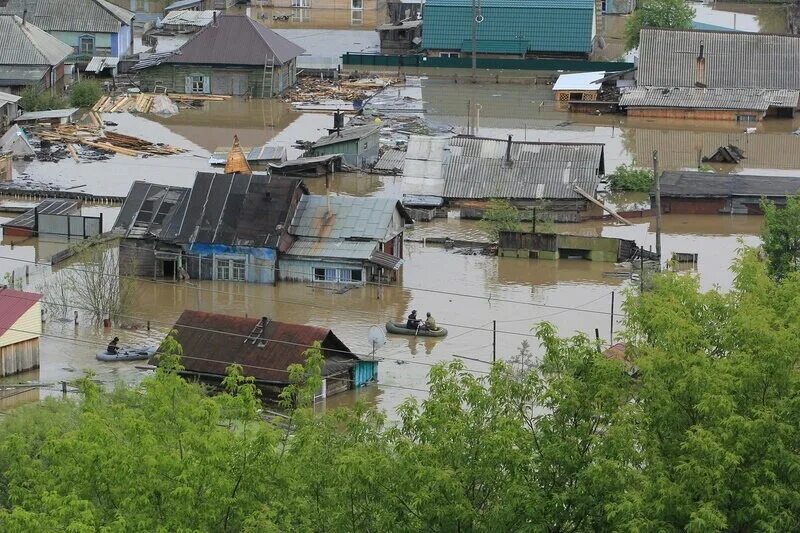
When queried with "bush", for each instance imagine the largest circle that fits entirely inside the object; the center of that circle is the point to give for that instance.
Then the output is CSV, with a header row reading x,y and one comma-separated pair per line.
x,y
85,93
35,100
500,215
631,179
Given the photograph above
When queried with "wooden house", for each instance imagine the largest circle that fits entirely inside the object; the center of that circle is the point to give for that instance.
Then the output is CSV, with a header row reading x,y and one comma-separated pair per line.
x,y
359,145
9,110
234,55
20,329
35,60
265,349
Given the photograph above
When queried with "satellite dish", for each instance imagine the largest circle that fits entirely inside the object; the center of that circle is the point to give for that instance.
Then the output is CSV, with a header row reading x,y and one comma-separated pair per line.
x,y
376,337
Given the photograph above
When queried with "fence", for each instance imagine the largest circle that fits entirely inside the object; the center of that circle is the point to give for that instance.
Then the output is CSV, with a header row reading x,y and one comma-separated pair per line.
x,y
381,60
69,225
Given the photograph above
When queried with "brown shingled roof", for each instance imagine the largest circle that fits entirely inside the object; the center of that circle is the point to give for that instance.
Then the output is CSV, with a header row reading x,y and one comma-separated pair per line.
x,y
236,40
211,342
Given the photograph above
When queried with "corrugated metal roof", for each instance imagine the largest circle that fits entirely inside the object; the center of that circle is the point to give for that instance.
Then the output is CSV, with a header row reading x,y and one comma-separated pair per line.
x,y
668,58
93,16
345,217
46,115
422,169
212,342
183,4
234,209
26,44
477,169
693,98
14,304
580,81
152,60
710,185
545,25
391,161
6,98
404,25
333,248
236,40
148,208
386,260
98,64
347,135
188,18
497,46
54,206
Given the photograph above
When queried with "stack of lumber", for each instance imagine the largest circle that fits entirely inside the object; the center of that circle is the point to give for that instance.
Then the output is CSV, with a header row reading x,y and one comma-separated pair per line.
x,y
315,90
108,141
140,103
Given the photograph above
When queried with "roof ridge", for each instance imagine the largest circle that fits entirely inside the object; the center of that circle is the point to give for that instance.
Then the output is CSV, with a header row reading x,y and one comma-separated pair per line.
x,y
723,32
105,6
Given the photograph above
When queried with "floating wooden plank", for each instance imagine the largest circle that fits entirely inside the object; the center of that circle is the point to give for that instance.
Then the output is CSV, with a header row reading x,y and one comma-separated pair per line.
x,y
603,206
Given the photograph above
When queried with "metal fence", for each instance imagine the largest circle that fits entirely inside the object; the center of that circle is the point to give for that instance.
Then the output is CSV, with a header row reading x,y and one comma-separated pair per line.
x,y
381,60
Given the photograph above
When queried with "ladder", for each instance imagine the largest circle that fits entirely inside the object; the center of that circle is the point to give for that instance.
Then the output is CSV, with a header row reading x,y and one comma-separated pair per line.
x,y
255,338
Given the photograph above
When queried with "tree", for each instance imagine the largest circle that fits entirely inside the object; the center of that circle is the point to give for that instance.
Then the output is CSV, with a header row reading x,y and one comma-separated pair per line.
x,y
627,178
674,14
38,100
500,215
85,93
781,236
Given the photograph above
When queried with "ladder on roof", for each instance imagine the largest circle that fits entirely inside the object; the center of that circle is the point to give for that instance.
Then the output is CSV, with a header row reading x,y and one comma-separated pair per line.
x,y
256,335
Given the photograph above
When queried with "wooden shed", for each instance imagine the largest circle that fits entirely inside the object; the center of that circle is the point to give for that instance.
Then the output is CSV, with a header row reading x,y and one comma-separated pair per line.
x,y
20,329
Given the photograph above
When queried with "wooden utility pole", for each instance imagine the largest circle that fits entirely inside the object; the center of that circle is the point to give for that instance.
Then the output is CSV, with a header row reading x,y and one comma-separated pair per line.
x,y
494,340
611,336
658,206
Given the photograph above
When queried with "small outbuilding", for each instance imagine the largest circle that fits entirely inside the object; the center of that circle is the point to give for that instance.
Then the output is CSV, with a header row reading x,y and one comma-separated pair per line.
x,y
9,110
359,145
20,329
52,116
265,349
577,87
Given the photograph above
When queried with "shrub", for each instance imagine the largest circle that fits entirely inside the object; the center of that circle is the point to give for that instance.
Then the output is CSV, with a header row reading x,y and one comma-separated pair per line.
x,y
627,178
35,100
85,93
500,215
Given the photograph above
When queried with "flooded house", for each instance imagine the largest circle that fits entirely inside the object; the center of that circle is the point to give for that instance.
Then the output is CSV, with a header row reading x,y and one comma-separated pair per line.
x,y
186,5
89,27
9,110
466,172
715,75
234,55
20,329
707,193
265,349
401,37
227,227
29,56
343,239
546,28
358,145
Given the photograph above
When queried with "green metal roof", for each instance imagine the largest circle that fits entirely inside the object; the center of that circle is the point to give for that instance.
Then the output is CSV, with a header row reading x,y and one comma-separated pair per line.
x,y
546,25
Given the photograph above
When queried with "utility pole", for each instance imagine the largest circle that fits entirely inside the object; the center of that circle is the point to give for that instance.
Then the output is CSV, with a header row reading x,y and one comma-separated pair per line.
x,y
475,15
658,206
612,317
494,340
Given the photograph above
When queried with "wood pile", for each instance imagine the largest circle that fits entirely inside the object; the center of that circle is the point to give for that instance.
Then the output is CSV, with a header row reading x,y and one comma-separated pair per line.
x,y
140,103
95,137
314,90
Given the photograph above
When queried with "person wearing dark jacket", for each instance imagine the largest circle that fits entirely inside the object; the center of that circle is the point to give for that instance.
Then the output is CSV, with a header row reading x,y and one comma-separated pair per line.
x,y
413,321
112,346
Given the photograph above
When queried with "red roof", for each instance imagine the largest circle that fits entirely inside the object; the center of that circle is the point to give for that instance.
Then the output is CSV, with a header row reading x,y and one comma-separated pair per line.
x,y
14,304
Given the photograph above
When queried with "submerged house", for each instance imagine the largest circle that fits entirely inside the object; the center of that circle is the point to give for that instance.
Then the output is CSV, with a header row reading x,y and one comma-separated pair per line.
x,y
227,227
541,28
29,56
234,55
707,193
20,329
465,172
265,349
715,75
88,27
342,239
358,145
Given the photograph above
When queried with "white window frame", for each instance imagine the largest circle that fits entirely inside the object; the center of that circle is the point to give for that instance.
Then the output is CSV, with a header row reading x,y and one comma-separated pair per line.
x,y
198,83
86,39
301,14
230,268
356,17
452,55
360,6
301,3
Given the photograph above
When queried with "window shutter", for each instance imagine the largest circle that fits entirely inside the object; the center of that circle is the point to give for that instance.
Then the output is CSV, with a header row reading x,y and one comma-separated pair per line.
x,y
207,84
188,87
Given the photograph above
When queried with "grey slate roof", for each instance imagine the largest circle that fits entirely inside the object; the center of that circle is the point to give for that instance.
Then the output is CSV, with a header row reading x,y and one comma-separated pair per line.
x,y
345,217
93,16
391,161
25,44
476,169
710,185
148,208
182,4
696,98
236,40
347,134
668,58
332,248
47,115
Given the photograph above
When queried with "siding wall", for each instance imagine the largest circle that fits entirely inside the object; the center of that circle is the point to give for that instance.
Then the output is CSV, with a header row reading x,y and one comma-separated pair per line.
x,y
136,258
19,357
29,326
365,372
297,268
692,114
259,262
337,383
173,77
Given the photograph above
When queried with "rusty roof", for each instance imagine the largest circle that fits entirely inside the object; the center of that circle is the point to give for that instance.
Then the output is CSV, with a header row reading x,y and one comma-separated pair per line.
x,y
346,217
14,304
236,40
211,342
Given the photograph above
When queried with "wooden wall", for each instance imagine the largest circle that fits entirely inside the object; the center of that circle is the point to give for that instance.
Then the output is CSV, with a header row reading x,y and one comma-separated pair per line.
x,y
691,114
19,357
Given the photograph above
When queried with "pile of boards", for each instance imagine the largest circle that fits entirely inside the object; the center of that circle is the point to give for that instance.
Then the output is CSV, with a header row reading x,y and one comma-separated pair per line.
x,y
315,90
143,102
106,141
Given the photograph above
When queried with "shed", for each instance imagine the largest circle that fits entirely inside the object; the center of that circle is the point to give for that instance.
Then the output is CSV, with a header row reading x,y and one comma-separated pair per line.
x,y
265,349
542,28
20,329
358,145
233,56
724,194
54,116
580,86
103,65
8,111
400,38
29,56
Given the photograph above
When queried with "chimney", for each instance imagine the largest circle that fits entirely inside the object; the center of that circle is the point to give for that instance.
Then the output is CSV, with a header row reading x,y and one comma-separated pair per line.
x,y
24,16
214,22
700,68
508,152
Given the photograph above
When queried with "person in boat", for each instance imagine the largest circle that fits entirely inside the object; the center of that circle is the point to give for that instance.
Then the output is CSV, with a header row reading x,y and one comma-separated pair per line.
x,y
430,323
113,349
413,321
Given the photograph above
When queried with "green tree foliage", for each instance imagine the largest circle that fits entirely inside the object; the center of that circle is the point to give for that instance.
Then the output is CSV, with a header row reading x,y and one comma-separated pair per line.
x,y
36,100
500,215
629,178
781,236
675,14
704,436
85,93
